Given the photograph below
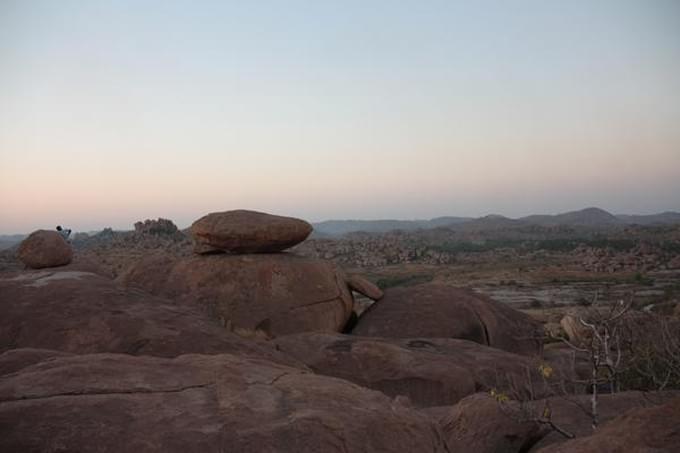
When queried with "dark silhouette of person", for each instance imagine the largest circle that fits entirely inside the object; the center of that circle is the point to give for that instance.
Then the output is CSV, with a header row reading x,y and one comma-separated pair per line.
x,y
65,232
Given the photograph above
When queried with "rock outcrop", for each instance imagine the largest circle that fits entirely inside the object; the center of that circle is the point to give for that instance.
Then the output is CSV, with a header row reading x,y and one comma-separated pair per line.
x,y
162,227
80,312
365,287
429,371
576,332
650,429
271,294
244,231
117,402
44,248
439,311
481,424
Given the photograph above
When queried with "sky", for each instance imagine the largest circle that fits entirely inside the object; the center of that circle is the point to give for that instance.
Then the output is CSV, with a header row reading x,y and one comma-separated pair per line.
x,y
118,111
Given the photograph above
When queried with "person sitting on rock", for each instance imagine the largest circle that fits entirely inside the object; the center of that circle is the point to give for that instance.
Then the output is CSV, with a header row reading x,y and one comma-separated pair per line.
x,y
65,232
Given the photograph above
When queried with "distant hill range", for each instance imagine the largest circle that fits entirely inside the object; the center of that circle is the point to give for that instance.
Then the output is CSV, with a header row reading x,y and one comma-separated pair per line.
x,y
585,218
9,240
589,217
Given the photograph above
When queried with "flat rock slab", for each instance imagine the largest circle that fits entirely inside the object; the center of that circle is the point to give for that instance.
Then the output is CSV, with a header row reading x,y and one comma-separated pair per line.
x,y
439,311
207,403
429,371
244,231
81,312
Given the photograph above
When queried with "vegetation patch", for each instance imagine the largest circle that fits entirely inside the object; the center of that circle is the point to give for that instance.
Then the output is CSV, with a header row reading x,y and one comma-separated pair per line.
x,y
403,280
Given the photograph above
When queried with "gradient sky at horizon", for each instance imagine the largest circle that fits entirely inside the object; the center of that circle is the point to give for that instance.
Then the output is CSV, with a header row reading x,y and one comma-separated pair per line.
x,y
117,111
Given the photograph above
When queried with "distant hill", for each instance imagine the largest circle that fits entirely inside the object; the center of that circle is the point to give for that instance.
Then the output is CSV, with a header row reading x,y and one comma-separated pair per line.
x,y
488,223
340,227
584,217
588,218
9,240
664,218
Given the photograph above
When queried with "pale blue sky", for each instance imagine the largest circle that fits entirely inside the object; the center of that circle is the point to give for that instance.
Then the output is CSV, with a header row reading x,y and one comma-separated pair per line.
x,y
111,112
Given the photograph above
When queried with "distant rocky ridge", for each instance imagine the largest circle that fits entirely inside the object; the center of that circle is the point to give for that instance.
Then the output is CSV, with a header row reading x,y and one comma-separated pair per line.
x,y
589,217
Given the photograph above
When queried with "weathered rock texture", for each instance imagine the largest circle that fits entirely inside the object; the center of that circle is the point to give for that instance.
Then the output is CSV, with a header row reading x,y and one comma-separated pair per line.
x,y
81,312
274,294
116,402
438,311
640,430
16,359
481,424
44,248
429,371
244,231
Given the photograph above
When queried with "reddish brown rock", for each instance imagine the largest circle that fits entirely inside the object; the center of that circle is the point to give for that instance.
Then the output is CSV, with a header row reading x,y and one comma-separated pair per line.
x,y
640,430
429,371
481,424
80,312
44,248
116,402
244,231
439,311
15,359
364,286
271,294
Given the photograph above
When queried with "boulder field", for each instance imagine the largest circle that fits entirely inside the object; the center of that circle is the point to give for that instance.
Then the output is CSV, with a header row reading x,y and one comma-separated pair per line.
x,y
236,347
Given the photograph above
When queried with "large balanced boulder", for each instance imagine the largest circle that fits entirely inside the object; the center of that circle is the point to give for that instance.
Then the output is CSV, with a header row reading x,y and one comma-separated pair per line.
x,y
80,312
269,294
208,403
44,248
244,231
429,371
439,311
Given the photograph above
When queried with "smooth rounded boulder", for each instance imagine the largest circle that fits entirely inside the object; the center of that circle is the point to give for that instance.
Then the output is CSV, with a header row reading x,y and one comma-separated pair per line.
x,y
439,311
43,249
208,403
244,231
264,294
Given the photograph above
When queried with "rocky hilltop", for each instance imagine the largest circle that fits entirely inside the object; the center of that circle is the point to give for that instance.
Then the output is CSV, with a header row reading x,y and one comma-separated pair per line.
x,y
228,337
